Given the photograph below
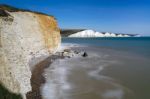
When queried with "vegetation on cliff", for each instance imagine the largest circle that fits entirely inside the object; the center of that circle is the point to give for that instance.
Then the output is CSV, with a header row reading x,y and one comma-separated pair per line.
x,y
5,94
67,32
14,9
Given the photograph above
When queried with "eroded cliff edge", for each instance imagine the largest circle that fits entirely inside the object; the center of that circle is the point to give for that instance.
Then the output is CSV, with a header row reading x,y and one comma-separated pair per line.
x,y
24,37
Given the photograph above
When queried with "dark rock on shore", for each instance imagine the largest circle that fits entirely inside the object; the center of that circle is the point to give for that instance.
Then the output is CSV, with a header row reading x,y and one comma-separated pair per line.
x,y
84,54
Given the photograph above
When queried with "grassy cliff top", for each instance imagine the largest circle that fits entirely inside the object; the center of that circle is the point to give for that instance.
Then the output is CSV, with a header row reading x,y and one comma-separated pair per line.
x,y
14,9
67,32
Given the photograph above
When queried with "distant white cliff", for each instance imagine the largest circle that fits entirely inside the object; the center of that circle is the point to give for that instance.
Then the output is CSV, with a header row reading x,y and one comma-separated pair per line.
x,y
92,33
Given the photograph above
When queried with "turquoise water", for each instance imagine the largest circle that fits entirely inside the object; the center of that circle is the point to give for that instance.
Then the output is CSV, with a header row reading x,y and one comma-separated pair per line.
x,y
115,68
125,63
137,45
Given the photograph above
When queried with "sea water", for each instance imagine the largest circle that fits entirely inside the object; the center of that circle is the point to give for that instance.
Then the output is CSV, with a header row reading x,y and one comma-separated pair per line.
x,y
138,45
116,68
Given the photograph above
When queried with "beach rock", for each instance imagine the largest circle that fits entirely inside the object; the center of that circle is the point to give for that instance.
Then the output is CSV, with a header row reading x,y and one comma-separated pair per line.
x,y
84,54
67,50
24,35
70,53
67,54
76,52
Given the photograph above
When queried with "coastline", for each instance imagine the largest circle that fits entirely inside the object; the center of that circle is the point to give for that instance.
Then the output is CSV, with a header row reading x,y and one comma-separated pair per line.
x,y
37,78
72,76
79,77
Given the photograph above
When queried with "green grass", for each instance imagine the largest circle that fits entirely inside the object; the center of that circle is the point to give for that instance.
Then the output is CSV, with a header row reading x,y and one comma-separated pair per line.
x,y
5,94
67,32
14,9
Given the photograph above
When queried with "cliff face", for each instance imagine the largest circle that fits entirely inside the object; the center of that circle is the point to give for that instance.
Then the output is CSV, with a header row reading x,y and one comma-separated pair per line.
x,y
67,32
24,36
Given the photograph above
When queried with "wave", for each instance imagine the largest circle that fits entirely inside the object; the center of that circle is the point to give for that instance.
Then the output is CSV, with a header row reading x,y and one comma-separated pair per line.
x,y
79,78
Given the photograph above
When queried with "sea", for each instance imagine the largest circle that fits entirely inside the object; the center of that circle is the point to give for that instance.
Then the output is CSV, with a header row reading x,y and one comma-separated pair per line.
x,y
115,68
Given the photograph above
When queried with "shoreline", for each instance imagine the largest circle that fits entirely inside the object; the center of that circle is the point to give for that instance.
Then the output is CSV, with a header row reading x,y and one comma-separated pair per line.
x,y
105,64
37,78
81,77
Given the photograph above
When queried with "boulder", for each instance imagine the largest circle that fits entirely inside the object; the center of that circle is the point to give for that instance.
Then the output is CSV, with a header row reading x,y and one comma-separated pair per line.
x,y
84,54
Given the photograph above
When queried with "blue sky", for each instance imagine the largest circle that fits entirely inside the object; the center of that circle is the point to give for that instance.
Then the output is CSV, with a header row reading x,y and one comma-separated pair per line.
x,y
123,16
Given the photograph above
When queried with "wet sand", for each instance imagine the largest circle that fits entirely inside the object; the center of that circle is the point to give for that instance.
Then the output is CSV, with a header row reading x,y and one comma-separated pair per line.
x,y
37,78
80,78
104,74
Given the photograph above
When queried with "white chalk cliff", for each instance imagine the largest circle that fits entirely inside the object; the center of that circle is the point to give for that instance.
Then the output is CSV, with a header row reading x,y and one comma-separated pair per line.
x,y
92,33
24,35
